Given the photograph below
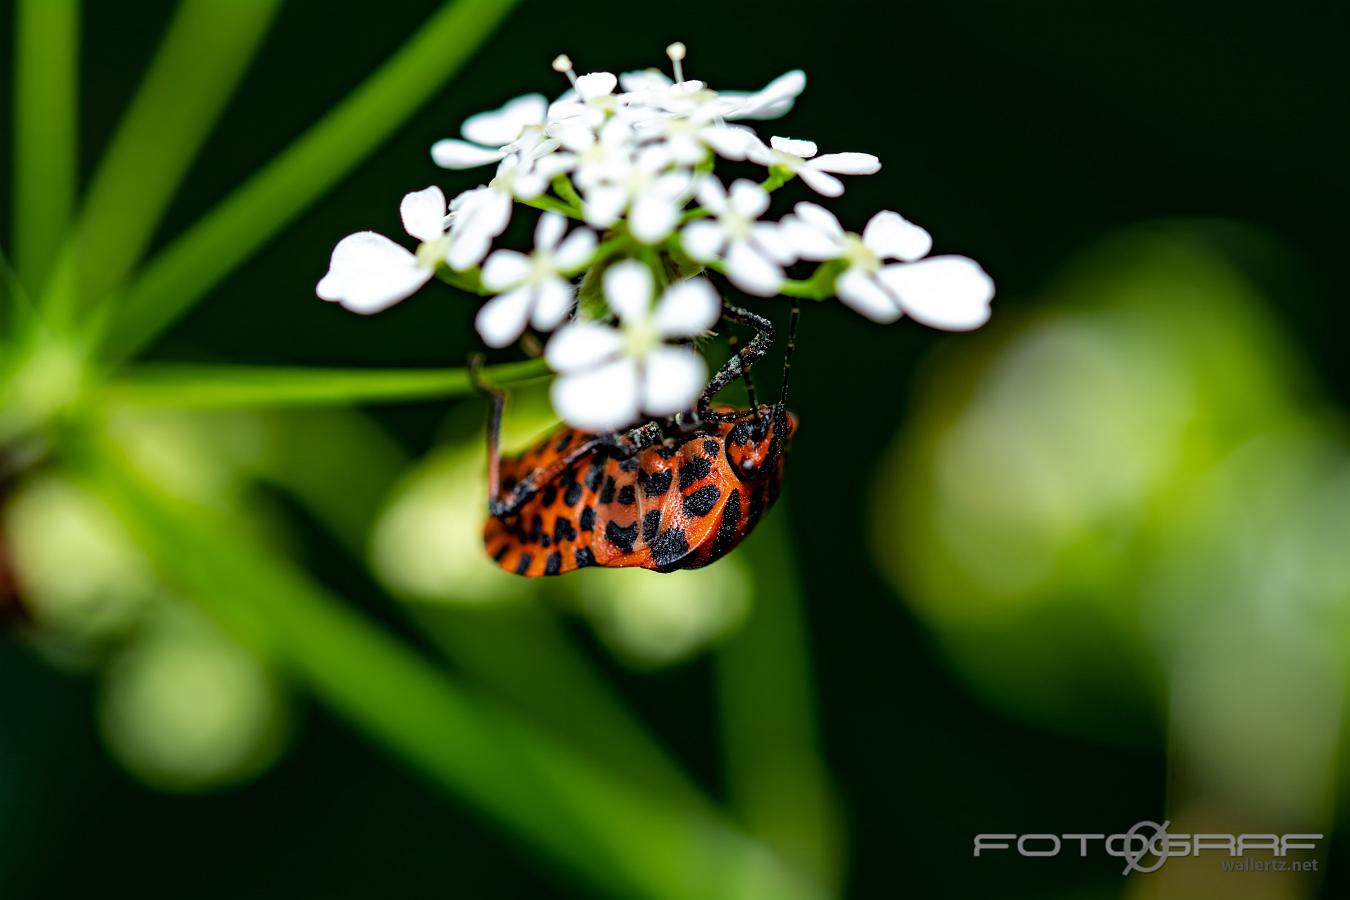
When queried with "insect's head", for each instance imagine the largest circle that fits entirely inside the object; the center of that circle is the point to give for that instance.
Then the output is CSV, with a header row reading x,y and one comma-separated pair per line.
x,y
754,442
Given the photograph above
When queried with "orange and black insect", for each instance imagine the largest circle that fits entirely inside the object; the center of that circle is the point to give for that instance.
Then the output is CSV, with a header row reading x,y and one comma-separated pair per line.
x,y
671,494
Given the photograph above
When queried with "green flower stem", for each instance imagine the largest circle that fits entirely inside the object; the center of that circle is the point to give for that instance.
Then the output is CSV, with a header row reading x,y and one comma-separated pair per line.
x,y
230,233
577,814
562,186
199,63
775,773
190,386
820,286
46,84
553,204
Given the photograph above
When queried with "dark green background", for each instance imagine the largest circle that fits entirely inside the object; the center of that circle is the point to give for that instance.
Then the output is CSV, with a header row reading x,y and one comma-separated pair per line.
x,y
1016,133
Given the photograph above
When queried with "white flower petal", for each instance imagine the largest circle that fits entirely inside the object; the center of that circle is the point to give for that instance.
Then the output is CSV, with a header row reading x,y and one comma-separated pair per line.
x,y
468,250
890,236
581,345
711,195
602,399
422,213
552,302
702,240
687,309
949,292
368,273
502,319
751,271
728,141
505,269
576,251
860,292
847,163
820,218
549,230
596,84
775,99
820,182
808,242
604,205
452,154
504,125
771,239
628,289
804,149
672,379
748,199
653,217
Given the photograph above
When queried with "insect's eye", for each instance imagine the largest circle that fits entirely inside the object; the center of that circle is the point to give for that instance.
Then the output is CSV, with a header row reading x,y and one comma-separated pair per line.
x,y
748,466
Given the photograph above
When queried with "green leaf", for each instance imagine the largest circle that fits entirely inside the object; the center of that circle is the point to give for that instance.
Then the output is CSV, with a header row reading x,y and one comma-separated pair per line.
x,y
230,233
191,386
614,836
46,85
199,63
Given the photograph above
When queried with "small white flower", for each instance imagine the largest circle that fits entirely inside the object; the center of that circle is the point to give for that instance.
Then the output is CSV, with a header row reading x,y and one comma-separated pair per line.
x,y
515,128
610,376
816,172
369,273
536,289
752,252
588,103
643,184
476,217
948,292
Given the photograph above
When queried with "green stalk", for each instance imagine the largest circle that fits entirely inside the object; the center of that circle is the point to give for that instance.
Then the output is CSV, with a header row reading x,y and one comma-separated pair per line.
x,y
615,837
189,386
46,85
267,202
777,778
200,61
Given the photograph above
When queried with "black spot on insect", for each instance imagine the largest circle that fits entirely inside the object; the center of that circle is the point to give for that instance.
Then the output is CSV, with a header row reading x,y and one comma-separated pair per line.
x,y
584,557
627,497
654,484
651,524
573,494
607,495
694,470
553,565
726,531
621,537
667,452
545,540
741,434
701,501
628,464
563,530
711,447
669,547
501,552
595,474
525,559
550,494
587,520
537,529
564,441
756,505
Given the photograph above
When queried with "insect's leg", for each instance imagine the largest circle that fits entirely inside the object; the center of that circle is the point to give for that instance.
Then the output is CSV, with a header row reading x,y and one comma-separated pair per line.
x,y
739,364
734,344
497,401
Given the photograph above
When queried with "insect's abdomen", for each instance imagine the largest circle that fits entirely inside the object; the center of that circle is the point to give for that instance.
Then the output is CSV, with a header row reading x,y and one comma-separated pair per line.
x,y
666,508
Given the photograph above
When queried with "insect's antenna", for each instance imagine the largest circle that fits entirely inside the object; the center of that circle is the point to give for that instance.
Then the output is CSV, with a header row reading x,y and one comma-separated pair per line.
x,y
734,343
787,353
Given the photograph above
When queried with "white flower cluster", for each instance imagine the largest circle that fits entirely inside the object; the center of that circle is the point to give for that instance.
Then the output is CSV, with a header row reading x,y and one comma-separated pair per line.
x,y
632,157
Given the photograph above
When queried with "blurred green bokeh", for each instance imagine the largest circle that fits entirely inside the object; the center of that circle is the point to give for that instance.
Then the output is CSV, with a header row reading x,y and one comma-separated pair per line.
x,y
1085,567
